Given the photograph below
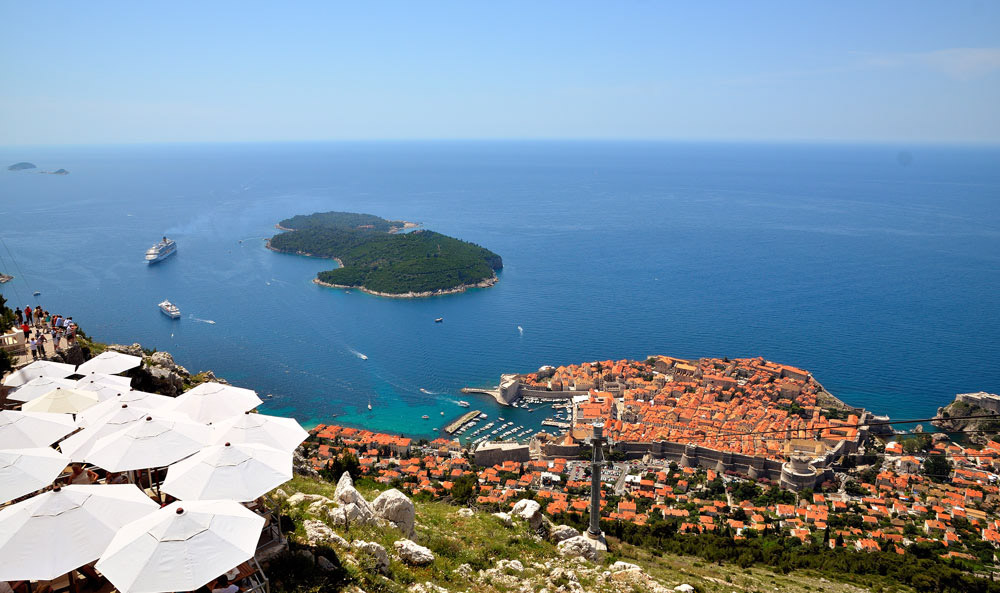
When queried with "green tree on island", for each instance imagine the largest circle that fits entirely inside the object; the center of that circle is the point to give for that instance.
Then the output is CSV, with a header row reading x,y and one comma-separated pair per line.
x,y
376,258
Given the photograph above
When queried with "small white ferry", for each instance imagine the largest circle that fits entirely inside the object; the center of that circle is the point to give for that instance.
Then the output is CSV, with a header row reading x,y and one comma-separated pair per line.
x,y
161,251
170,310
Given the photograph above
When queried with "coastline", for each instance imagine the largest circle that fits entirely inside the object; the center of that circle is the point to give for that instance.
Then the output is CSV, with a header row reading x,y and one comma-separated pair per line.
x,y
267,244
413,295
407,225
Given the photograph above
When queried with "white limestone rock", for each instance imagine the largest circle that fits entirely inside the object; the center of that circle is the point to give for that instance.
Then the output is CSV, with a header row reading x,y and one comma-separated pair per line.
x,y
376,551
162,359
512,565
319,505
318,532
427,587
580,547
530,511
345,492
353,514
299,497
505,519
465,512
397,509
561,533
413,553
621,566
464,571
685,588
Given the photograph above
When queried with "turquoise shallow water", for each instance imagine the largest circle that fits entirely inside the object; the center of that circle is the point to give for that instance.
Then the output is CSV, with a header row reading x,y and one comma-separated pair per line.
x,y
880,277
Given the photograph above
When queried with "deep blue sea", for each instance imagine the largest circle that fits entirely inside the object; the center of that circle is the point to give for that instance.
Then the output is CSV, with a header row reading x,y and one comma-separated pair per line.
x,y
875,267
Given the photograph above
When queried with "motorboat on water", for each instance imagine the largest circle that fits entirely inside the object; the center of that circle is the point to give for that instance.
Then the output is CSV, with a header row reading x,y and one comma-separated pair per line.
x,y
161,251
439,320
463,403
169,309
426,417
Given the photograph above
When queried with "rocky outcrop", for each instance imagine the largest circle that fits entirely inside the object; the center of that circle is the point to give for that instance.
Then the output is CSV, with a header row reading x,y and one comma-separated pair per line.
x,y
375,552
160,373
72,354
353,509
412,553
530,511
301,464
561,533
505,519
134,349
393,506
318,532
300,497
580,546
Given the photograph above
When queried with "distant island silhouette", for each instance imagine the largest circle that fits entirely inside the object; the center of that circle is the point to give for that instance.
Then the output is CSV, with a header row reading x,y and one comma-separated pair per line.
x,y
24,166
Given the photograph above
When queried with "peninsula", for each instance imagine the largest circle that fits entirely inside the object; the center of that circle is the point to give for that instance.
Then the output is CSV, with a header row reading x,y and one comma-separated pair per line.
x,y
379,259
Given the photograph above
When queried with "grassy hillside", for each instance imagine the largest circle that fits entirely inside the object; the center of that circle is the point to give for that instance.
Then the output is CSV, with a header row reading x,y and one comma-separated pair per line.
x,y
472,553
382,261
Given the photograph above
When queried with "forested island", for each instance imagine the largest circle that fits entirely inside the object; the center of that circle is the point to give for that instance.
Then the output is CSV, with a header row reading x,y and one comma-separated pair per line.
x,y
376,258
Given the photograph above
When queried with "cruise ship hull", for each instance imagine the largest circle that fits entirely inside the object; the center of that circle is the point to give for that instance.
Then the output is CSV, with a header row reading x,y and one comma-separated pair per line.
x,y
161,256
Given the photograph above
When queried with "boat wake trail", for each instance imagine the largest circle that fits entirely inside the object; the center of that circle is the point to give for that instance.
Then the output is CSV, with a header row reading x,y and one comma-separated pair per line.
x,y
358,354
208,321
520,330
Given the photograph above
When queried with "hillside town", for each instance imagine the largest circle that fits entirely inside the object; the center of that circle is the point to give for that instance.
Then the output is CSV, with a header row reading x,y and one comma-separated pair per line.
x,y
739,447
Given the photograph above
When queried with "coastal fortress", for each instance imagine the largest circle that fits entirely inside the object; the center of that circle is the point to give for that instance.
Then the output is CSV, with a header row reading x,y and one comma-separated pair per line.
x,y
749,416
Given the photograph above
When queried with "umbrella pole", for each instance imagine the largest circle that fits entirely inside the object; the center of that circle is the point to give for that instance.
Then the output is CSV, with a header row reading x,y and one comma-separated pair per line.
x,y
156,488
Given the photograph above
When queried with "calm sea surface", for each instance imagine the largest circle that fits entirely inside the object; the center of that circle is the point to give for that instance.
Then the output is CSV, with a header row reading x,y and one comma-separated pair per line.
x,y
875,267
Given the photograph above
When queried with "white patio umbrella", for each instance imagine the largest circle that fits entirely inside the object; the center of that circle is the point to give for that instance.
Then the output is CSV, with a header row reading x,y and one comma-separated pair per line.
x,y
155,441
62,400
39,368
57,531
32,429
228,471
78,446
93,380
22,471
212,402
135,399
109,362
181,547
37,387
260,429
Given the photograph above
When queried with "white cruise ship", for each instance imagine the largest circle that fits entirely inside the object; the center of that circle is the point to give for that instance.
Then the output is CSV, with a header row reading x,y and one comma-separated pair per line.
x,y
169,309
161,251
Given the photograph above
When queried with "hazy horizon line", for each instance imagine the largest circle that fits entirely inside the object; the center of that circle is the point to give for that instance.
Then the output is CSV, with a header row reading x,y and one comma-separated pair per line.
x,y
594,140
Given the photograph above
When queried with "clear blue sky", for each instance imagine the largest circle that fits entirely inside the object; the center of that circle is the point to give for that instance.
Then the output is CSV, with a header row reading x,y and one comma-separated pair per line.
x,y
86,72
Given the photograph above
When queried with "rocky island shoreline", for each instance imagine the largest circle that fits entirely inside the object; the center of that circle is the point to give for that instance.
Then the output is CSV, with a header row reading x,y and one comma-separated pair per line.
x,y
414,295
